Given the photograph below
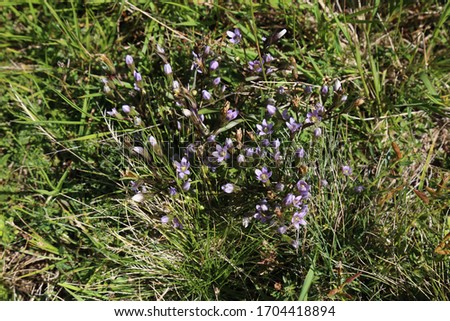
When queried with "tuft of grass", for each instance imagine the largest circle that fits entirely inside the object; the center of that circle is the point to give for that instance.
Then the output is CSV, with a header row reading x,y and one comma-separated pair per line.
x,y
69,229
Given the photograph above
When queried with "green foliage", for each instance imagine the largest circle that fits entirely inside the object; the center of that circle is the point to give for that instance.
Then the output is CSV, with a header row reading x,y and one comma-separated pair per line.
x,y
69,229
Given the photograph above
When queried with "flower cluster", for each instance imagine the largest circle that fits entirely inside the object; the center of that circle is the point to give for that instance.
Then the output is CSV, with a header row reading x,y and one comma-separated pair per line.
x,y
235,147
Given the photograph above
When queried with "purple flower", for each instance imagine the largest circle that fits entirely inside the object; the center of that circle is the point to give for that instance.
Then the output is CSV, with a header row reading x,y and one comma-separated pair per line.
x,y
216,81
186,185
262,207
249,152
359,189
303,188
240,159
317,132
228,143
206,95
289,199
282,229
214,65
137,76
320,109
324,90
191,149
277,156
126,109
263,174
276,143
281,90
297,201
279,187
285,114
228,188
271,109
346,170
232,114
300,153
129,60
268,58
207,50
260,152
293,126
113,112
313,116
221,153
264,128
182,167
255,66
176,223
167,69
165,219
265,142
172,191
196,63
260,214
235,37
134,187
211,138
308,89
298,219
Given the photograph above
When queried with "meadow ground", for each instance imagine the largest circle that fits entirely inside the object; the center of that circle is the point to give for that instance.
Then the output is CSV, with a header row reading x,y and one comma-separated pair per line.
x,y
213,150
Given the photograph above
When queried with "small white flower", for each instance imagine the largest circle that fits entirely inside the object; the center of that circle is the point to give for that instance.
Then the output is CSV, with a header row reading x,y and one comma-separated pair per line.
x,y
138,198
167,69
281,33
246,221
152,141
138,150
175,85
228,188
187,112
337,85
160,49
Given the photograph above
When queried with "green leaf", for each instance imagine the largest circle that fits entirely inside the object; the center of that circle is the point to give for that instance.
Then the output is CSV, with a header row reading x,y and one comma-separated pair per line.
x,y
306,285
426,81
230,125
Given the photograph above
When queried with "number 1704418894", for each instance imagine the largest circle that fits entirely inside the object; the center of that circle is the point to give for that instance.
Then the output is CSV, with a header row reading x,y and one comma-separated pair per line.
x,y
299,311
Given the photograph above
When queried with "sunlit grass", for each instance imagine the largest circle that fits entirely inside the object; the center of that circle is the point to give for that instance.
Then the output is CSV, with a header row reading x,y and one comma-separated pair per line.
x,y
70,229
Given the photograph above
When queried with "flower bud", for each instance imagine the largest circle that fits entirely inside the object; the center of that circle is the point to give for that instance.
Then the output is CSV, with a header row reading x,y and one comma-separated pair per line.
x,y
167,69
337,85
138,198
126,109
214,65
129,60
